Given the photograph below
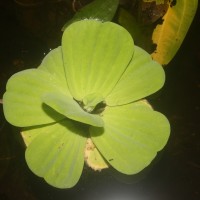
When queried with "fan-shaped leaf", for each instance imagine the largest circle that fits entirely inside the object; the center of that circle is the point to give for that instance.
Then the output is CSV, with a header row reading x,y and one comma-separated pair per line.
x,y
131,136
57,153
142,78
53,63
22,100
95,56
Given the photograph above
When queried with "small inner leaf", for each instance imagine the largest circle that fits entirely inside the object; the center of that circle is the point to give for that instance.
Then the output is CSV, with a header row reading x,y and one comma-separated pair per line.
x,y
67,106
91,100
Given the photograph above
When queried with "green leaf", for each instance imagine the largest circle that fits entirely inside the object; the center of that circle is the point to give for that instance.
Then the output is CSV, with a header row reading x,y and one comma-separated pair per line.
x,y
57,153
70,108
131,137
95,57
22,99
53,63
130,23
141,32
169,35
142,78
98,9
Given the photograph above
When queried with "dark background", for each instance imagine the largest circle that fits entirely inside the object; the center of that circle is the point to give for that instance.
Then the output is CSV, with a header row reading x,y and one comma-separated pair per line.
x,y
26,35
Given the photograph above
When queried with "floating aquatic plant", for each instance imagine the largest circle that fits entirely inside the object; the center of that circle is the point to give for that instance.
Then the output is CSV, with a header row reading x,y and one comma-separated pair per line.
x,y
86,102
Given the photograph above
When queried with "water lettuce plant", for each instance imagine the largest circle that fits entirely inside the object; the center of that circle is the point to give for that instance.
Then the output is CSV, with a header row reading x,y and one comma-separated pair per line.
x,y
88,94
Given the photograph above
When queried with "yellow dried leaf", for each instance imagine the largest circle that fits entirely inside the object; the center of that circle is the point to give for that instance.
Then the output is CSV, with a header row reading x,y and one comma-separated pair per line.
x,y
93,158
170,34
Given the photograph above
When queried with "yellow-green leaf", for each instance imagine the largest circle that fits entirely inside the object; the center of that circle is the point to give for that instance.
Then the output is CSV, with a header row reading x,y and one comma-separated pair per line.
x,y
68,107
22,100
95,57
170,34
142,77
131,137
57,153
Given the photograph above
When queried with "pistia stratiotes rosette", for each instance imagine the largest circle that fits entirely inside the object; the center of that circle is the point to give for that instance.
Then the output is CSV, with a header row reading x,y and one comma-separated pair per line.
x,y
91,87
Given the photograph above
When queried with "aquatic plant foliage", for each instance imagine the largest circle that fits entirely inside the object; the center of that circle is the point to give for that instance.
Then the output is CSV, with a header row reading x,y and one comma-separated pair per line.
x,y
91,87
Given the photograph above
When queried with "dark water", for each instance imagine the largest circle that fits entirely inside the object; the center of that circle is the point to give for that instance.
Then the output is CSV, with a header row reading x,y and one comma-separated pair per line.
x,y
175,174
